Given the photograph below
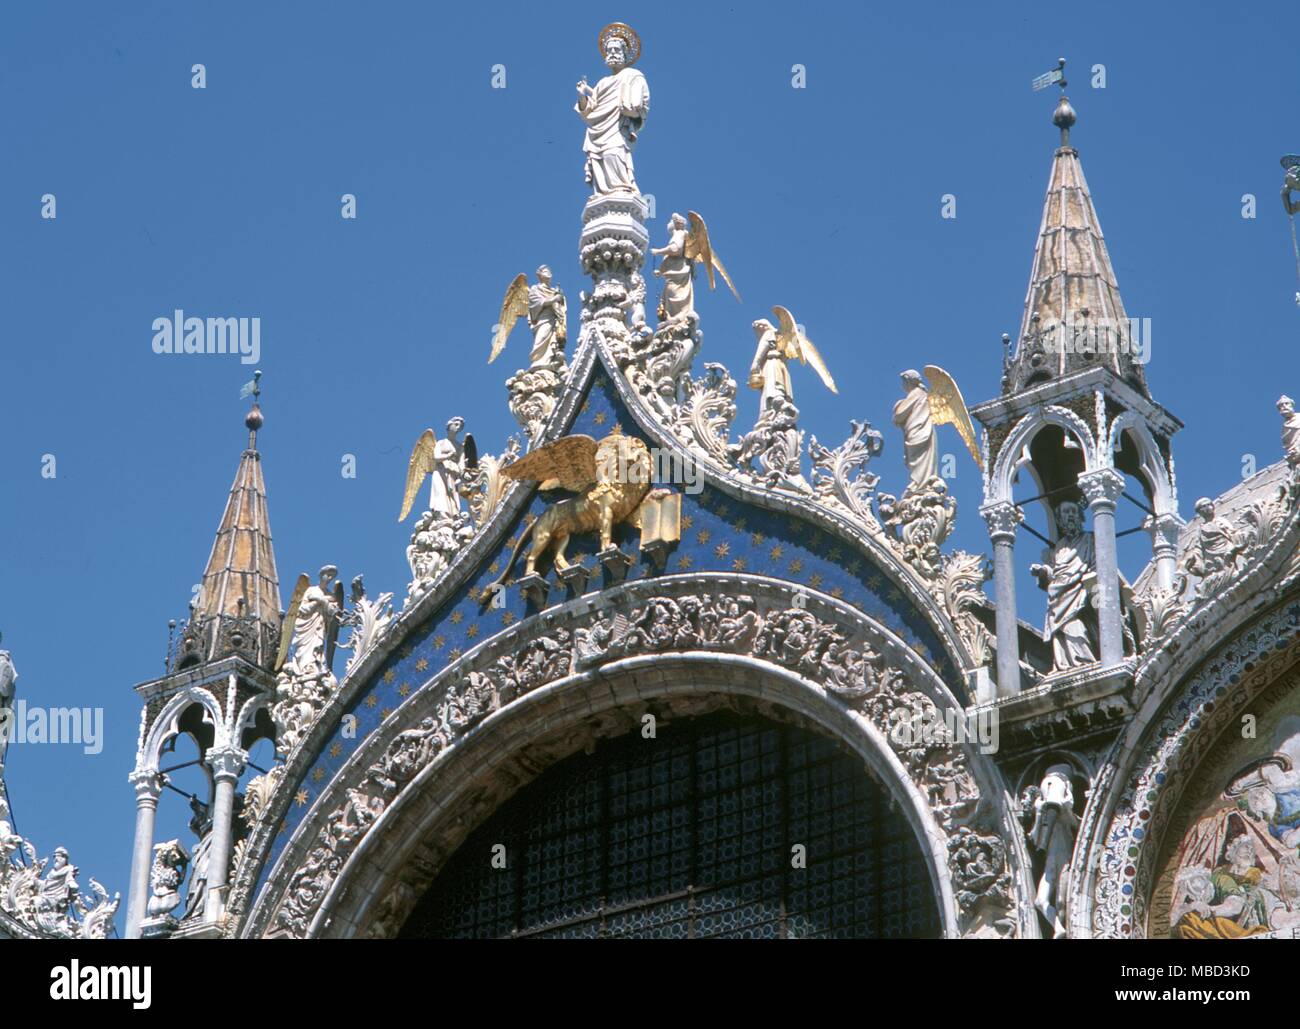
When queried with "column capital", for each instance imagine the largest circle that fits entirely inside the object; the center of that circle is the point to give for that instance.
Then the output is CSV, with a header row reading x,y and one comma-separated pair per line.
x,y
148,784
1003,518
1164,529
226,762
1101,487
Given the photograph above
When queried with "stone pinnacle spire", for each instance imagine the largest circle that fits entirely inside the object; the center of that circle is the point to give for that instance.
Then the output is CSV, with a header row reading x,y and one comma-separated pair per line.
x,y
238,605
1074,317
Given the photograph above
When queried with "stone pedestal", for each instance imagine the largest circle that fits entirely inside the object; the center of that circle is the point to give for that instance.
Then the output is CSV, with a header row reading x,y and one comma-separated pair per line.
x,y
613,250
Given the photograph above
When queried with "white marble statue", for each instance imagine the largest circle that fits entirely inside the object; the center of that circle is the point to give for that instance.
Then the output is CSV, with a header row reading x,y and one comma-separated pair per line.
x,y
1290,430
778,344
688,244
170,861
315,613
1052,834
920,443
1068,576
1217,552
614,111
544,306
443,460
921,411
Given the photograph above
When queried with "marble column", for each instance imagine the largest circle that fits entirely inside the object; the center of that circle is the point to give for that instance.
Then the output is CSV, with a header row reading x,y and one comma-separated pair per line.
x,y
1102,488
148,786
1164,531
1002,519
227,765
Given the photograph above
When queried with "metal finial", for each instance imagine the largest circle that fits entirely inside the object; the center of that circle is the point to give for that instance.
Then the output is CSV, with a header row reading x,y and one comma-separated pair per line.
x,y
1063,117
253,420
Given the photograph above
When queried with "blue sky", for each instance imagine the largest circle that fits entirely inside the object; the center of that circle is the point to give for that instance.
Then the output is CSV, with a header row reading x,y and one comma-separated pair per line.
x,y
225,201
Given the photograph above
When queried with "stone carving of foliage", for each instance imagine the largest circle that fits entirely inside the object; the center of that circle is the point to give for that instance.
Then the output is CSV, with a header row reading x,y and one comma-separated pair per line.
x,y
958,588
840,477
703,418
793,638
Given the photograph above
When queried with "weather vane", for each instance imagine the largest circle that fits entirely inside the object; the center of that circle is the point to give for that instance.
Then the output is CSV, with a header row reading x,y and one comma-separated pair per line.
x,y
1056,75
1291,183
1063,117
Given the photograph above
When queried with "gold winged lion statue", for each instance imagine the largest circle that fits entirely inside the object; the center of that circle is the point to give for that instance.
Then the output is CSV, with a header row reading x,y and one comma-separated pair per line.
x,y
611,478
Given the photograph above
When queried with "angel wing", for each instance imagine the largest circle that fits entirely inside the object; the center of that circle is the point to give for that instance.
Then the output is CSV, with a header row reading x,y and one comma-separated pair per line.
x,y
948,408
290,619
422,464
698,248
513,307
569,462
794,343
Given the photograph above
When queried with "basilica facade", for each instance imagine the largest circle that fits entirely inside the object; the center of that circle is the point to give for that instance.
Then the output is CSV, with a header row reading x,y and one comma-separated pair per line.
x,y
659,675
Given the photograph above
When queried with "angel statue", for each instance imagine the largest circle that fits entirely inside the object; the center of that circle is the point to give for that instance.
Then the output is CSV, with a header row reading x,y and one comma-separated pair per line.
x,y
544,307
688,244
614,110
305,681
312,625
776,345
918,414
611,479
446,460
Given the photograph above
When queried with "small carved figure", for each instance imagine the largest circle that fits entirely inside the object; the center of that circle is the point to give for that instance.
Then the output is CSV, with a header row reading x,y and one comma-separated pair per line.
x,y
1052,835
446,462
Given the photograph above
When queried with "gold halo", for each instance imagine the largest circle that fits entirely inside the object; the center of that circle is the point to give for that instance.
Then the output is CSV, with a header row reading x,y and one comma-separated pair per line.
x,y
624,32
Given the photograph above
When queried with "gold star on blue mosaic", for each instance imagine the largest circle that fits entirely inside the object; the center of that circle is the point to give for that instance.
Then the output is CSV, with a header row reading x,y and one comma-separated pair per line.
x,y
507,617
405,652
777,552
457,617
834,555
756,539
318,774
838,593
741,525
495,566
439,642
599,418
472,631
385,712
796,566
404,690
455,654
875,582
704,535
422,664
684,561
389,676
722,549
739,564
336,750
687,522
372,700
814,580
301,798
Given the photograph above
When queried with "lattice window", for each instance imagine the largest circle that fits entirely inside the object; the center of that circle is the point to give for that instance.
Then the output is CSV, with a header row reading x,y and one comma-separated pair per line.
x,y
690,835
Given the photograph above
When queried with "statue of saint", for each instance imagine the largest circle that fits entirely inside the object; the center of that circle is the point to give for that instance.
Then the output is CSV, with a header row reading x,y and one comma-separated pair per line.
x,y
614,111
59,891
1052,835
1218,551
1290,430
1069,577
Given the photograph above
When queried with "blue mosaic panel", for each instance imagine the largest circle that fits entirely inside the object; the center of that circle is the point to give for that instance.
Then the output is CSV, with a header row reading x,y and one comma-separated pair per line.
x,y
719,533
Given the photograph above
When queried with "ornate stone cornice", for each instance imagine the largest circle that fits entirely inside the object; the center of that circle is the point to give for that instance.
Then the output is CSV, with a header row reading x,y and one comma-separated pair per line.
x,y
806,634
